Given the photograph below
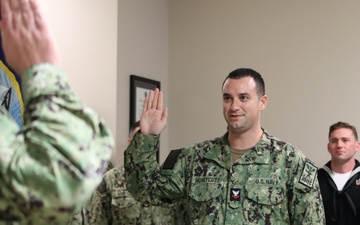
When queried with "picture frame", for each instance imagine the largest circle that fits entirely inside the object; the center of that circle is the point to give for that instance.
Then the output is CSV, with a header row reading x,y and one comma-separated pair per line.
x,y
139,89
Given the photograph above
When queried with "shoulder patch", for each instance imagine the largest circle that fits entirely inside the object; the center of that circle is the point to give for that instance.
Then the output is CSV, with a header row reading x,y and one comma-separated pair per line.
x,y
308,174
171,159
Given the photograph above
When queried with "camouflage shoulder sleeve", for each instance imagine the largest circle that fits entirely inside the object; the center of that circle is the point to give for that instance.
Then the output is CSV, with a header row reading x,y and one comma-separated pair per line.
x,y
305,205
145,179
50,167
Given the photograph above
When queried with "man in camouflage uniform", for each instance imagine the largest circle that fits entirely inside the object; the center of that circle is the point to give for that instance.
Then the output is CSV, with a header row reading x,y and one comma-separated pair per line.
x,y
52,165
112,204
244,177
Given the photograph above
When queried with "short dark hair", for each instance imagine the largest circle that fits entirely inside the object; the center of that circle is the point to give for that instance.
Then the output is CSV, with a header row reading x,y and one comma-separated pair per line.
x,y
133,127
339,125
247,72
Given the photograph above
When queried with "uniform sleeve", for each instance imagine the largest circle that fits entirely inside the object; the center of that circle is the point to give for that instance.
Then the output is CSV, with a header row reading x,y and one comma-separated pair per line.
x,y
305,204
145,180
50,167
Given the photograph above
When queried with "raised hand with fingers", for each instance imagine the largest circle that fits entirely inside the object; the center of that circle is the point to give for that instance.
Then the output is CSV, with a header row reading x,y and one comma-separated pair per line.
x,y
25,35
153,118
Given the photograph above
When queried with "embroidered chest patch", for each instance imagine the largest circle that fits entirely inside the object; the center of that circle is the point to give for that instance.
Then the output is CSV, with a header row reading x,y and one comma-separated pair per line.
x,y
234,194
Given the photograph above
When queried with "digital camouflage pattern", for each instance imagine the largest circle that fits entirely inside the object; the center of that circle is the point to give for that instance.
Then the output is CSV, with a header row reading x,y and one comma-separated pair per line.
x,y
181,216
271,184
77,217
112,204
52,166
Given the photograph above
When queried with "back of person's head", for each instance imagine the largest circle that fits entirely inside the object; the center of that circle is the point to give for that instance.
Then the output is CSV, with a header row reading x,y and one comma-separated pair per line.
x,y
340,125
246,72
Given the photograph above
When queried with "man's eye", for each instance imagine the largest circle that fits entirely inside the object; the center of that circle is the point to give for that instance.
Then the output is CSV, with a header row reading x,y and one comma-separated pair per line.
x,y
244,98
226,98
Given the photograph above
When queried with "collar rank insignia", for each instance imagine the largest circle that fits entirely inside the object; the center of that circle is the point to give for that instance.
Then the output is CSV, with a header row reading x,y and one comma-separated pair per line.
x,y
234,194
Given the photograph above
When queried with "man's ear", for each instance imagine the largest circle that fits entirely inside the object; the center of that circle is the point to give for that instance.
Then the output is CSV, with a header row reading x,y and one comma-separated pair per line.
x,y
129,139
263,102
357,146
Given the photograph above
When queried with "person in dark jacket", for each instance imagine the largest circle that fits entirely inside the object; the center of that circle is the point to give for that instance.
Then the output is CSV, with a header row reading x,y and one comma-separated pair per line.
x,y
339,179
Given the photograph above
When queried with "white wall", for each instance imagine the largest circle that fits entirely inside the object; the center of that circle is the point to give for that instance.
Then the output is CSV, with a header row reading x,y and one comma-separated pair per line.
x,y
307,52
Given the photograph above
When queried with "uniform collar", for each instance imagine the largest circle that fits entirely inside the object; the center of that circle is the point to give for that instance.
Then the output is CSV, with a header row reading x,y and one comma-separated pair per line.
x,y
259,154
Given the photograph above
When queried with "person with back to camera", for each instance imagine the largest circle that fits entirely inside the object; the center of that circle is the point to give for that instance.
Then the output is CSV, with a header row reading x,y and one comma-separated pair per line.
x,y
112,204
50,166
244,177
339,179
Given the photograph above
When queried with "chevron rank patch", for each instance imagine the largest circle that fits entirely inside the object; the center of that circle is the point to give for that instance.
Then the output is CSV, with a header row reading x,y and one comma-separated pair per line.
x,y
308,174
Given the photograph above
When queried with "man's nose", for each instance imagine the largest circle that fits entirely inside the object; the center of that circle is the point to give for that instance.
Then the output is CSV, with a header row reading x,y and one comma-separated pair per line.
x,y
339,144
235,105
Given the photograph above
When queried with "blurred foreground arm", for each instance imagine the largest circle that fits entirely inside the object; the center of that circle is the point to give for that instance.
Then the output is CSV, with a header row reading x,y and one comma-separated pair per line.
x,y
53,165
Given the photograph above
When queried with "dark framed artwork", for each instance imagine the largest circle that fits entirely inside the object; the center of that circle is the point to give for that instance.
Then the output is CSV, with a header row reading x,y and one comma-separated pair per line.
x,y
139,89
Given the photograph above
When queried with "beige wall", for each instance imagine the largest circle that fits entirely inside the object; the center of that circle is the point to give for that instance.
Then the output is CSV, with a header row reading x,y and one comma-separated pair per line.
x,y
143,50
102,43
307,51
86,32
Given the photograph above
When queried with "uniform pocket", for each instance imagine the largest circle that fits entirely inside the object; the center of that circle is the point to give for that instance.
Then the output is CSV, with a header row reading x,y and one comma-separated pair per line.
x,y
124,207
265,195
265,203
122,199
205,196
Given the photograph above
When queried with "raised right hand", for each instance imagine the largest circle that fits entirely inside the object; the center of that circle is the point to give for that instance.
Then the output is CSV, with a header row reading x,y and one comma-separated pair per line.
x,y
25,35
153,118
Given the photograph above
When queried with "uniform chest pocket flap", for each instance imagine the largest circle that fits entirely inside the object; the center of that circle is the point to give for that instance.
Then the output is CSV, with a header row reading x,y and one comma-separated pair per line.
x,y
122,199
265,194
205,191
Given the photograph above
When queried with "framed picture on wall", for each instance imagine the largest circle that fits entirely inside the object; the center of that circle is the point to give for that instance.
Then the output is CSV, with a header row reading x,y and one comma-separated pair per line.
x,y
139,89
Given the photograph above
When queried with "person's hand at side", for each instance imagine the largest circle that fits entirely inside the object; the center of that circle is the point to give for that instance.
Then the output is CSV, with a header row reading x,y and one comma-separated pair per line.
x,y
153,118
25,35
